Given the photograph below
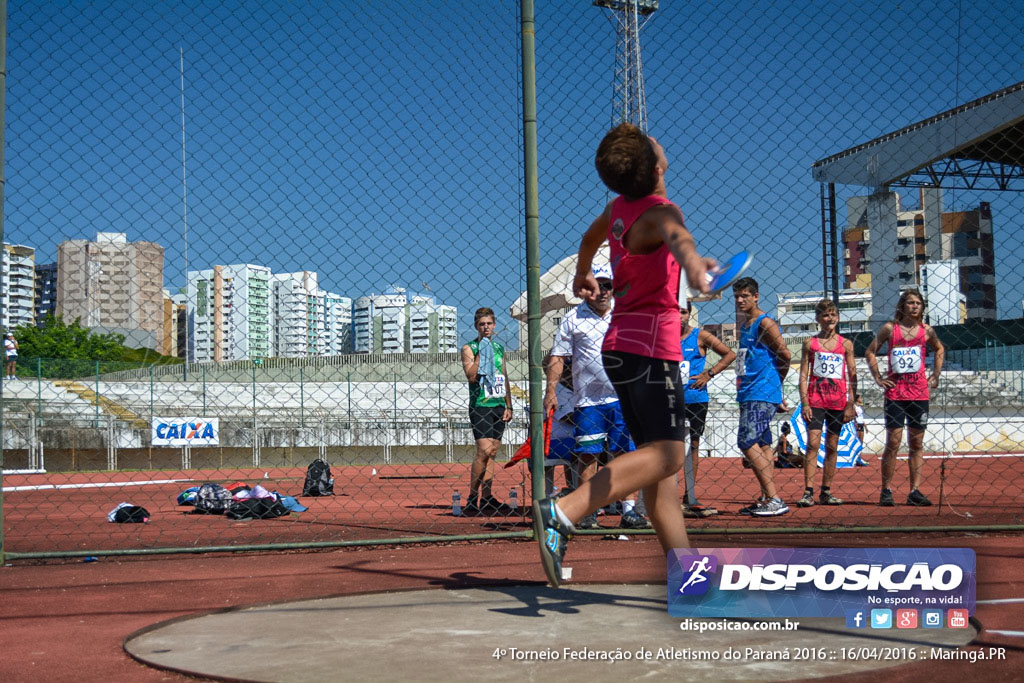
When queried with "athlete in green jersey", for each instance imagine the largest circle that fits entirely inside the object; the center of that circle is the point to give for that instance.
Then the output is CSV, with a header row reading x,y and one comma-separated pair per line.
x,y
490,408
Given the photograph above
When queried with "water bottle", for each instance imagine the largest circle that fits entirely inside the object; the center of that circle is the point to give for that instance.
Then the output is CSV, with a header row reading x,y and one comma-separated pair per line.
x,y
456,504
513,499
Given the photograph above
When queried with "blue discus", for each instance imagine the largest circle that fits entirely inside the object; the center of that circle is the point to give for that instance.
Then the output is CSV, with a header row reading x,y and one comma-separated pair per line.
x,y
729,272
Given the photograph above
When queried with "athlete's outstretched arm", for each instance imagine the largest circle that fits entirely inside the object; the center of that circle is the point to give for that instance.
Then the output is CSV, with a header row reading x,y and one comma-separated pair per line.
x,y
584,284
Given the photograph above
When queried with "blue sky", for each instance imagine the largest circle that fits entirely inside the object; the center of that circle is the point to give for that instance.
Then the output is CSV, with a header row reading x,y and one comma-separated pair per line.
x,y
380,143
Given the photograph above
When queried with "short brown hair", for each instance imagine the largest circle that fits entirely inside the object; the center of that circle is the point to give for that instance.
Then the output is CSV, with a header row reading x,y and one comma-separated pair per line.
x,y
824,306
626,161
747,283
483,313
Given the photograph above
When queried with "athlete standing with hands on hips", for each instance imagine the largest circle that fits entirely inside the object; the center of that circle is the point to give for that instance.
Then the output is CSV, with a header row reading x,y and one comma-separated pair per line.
x,y
906,389
649,243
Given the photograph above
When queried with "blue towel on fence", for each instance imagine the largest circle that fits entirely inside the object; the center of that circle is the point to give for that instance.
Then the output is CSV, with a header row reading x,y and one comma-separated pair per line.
x,y
486,370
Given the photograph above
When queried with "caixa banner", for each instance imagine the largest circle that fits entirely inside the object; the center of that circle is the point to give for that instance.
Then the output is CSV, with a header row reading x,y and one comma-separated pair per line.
x,y
817,582
185,431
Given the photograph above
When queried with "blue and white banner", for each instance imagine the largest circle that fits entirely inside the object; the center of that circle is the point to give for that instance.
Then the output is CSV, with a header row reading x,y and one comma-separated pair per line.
x,y
185,431
850,447
817,582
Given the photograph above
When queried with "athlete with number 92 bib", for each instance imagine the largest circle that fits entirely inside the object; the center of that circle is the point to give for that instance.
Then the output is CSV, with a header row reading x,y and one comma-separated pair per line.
x,y
906,389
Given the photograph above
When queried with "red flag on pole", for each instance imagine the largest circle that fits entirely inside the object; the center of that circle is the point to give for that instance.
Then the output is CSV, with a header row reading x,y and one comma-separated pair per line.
x,y
524,451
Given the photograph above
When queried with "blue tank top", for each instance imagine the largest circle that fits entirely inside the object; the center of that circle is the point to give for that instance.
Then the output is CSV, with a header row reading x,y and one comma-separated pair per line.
x,y
756,376
693,357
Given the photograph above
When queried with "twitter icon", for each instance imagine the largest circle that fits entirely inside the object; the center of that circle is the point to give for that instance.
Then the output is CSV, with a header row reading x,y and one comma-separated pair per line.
x,y
881,618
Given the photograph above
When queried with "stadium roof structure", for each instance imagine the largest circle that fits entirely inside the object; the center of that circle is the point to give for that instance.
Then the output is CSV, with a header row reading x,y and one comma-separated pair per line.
x,y
976,146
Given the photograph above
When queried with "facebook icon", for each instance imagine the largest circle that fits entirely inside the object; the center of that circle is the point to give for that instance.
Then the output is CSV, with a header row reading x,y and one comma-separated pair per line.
x,y
855,618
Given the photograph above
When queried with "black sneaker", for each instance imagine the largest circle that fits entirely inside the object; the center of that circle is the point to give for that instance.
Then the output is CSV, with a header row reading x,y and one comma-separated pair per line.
x,y
633,520
492,506
471,508
885,499
552,536
588,522
918,499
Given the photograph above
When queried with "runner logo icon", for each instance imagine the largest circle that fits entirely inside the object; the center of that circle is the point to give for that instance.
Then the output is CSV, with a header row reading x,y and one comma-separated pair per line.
x,y
697,569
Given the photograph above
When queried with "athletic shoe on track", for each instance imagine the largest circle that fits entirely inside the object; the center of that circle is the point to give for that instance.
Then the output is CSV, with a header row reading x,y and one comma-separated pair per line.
x,y
698,511
492,506
918,499
885,499
773,507
588,522
826,498
750,508
633,520
552,537
806,501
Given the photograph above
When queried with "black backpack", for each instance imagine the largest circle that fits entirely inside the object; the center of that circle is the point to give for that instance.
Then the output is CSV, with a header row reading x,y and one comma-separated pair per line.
x,y
257,508
212,499
318,479
126,513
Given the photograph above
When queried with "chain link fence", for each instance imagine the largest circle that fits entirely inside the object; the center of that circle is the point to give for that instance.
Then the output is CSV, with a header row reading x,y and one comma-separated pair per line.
x,y
300,209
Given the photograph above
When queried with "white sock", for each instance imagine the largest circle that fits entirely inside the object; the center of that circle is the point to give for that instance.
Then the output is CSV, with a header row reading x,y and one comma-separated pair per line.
x,y
564,520
627,506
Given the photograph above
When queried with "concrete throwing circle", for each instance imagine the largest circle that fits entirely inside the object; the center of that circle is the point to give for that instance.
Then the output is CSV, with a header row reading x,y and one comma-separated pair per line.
x,y
583,633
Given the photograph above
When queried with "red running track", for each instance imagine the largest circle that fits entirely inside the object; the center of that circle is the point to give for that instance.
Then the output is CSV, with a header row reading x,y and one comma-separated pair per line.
x,y
66,512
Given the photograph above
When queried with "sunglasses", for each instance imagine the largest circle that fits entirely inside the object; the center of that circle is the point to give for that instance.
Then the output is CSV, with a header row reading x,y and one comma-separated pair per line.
x,y
605,286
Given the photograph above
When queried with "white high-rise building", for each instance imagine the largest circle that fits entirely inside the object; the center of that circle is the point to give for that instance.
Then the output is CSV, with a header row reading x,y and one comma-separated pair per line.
x,y
337,324
400,322
368,323
18,285
432,327
309,321
299,326
940,285
229,313
246,311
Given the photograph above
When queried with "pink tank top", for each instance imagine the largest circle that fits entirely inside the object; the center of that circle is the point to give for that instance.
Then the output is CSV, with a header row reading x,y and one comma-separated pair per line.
x,y
645,318
826,387
906,366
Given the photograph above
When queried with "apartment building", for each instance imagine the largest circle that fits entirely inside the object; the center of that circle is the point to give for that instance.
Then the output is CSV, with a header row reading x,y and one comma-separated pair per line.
x,y
113,285
18,285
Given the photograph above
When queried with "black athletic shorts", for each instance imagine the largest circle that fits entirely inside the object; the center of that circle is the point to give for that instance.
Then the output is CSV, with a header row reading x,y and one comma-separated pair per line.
x,y
487,422
696,418
832,419
651,395
913,414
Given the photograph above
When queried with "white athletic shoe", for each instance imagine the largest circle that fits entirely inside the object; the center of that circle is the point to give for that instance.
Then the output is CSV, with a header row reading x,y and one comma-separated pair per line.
x,y
773,507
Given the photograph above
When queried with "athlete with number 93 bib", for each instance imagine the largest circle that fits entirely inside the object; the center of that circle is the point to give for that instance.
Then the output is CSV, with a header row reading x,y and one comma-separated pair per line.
x,y
828,384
